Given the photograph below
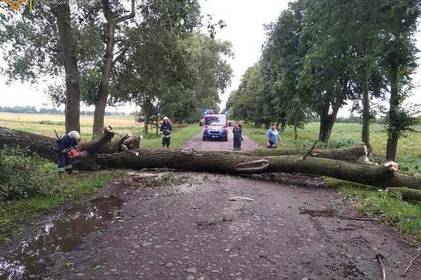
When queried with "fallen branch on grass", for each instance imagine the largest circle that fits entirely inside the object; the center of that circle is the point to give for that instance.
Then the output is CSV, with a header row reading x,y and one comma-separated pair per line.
x,y
411,262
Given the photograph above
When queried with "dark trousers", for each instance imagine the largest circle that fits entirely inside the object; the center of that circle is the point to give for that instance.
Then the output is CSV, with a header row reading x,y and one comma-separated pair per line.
x,y
63,161
166,142
237,142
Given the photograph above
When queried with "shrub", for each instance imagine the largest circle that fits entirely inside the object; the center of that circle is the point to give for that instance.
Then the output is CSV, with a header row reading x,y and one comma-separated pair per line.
x,y
341,143
22,176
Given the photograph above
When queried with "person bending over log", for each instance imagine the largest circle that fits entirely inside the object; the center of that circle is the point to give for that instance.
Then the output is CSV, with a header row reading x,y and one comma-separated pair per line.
x,y
273,137
66,149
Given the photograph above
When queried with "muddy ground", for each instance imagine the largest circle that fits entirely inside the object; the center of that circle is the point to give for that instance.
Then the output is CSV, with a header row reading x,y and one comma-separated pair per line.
x,y
167,225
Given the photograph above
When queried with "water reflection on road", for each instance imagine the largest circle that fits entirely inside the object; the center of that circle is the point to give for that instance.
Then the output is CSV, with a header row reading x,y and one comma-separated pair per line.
x,y
33,256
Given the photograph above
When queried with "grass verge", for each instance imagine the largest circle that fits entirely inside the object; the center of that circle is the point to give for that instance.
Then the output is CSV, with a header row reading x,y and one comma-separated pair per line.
x,y
393,211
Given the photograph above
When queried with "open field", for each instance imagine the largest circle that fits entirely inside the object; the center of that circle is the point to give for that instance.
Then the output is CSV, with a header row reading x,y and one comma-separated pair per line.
x,y
45,124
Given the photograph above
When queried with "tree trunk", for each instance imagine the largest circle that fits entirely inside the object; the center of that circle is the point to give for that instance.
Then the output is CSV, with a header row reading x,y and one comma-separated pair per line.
x,y
326,124
146,124
393,129
295,132
407,194
44,146
102,96
219,162
283,124
67,44
222,162
353,153
365,137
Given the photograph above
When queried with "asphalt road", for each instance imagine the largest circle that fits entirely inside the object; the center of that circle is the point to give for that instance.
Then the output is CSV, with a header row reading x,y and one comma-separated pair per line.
x,y
198,144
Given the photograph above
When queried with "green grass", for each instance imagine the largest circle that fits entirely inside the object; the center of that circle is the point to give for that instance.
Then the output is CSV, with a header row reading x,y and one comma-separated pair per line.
x,y
180,136
69,189
405,216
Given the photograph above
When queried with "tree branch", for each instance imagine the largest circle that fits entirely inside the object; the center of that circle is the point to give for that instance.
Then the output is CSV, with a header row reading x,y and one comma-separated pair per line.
x,y
129,16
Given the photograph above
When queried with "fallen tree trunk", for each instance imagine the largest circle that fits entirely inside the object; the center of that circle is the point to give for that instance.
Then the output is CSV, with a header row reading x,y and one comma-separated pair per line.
x,y
353,153
407,193
44,146
220,162
383,176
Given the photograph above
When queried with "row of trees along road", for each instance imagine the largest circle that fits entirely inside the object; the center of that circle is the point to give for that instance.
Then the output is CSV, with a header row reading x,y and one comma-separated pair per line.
x,y
320,54
148,52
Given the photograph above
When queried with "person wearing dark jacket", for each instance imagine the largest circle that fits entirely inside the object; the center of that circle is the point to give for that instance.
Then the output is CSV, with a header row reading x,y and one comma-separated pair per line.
x,y
64,145
237,131
166,130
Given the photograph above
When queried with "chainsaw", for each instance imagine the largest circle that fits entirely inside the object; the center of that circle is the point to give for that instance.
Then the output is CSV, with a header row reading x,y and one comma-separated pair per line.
x,y
73,153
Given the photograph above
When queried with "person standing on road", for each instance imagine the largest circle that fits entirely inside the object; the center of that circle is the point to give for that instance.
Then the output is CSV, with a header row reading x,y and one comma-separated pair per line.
x,y
237,131
273,137
166,130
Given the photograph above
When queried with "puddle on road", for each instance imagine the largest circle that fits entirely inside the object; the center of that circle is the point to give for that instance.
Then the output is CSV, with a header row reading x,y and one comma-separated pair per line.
x,y
32,257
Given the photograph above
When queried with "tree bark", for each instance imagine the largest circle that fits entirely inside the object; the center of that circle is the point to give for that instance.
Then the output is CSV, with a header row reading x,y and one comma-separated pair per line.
x,y
234,163
353,153
67,44
102,96
407,193
327,120
393,129
326,124
365,134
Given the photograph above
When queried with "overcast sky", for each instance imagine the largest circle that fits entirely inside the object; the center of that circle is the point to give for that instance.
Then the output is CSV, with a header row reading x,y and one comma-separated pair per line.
x,y
245,20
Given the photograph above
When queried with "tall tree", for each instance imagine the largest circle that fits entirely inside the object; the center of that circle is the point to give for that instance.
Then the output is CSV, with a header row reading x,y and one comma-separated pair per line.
x,y
282,60
67,44
399,62
246,102
40,43
113,19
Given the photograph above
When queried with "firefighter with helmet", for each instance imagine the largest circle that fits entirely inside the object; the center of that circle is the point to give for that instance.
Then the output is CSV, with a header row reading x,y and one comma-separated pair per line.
x,y
66,148
166,130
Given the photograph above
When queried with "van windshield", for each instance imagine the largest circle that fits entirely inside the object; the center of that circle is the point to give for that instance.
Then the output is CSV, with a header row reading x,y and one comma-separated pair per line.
x,y
215,120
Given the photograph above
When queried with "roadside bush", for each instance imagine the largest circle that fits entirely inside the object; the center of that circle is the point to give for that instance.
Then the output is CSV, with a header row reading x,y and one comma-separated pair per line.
x,y
22,176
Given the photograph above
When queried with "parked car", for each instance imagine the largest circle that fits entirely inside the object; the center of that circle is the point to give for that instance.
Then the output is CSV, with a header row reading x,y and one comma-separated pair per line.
x,y
215,127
